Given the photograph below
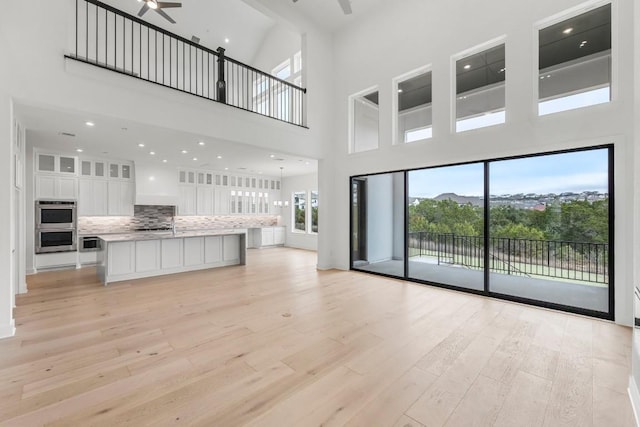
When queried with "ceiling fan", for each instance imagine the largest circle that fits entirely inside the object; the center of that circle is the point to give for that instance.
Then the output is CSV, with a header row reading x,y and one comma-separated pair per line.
x,y
344,4
158,6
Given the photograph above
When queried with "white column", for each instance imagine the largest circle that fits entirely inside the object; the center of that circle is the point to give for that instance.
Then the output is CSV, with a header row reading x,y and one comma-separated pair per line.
x,y
7,324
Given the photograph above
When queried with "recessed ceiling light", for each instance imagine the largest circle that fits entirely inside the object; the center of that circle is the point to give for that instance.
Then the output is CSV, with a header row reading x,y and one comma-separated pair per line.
x,y
140,145
90,124
466,67
153,153
184,151
195,158
79,150
164,161
306,163
226,40
399,90
226,169
568,30
272,155
219,157
201,143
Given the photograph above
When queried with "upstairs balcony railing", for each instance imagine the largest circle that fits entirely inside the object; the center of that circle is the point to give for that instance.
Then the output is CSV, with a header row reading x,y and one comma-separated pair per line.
x,y
109,38
584,262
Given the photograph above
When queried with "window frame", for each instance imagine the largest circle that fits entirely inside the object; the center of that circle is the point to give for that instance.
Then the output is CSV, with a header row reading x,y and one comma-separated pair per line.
x,y
294,206
453,96
569,13
395,102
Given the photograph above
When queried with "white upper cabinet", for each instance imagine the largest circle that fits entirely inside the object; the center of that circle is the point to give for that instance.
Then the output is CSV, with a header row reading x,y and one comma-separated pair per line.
x,y
56,164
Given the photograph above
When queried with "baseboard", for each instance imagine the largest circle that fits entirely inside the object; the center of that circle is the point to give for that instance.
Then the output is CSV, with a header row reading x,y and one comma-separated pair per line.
x,y
634,396
9,330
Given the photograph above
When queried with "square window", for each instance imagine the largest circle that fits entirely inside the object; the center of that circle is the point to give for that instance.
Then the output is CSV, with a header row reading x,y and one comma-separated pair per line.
x,y
480,89
574,62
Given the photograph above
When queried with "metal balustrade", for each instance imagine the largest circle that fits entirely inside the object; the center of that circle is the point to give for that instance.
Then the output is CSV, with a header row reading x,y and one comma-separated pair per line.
x,y
588,262
111,39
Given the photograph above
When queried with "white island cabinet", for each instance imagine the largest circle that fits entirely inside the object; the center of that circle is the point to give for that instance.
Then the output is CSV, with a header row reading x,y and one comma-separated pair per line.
x,y
134,256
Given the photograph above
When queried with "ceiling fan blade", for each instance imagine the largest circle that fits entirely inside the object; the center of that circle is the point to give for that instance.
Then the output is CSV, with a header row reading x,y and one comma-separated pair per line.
x,y
143,10
165,16
346,6
168,4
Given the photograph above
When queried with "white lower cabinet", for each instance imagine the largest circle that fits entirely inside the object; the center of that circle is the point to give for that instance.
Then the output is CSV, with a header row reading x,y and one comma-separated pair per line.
x,y
122,258
212,249
267,236
193,251
135,259
171,253
230,248
278,235
147,255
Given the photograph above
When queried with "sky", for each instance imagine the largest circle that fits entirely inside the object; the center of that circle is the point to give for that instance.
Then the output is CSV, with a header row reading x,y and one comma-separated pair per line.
x,y
557,173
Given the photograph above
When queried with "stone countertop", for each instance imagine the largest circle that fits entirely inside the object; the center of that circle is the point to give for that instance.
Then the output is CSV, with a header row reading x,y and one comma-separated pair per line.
x,y
157,235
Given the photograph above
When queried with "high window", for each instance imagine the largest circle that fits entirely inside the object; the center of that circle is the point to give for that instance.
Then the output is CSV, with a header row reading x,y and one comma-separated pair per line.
x,y
480,88
413,117
574,62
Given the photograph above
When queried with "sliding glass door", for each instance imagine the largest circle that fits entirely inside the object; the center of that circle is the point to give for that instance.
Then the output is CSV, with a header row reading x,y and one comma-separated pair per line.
x,y
535,229
446,225
549,228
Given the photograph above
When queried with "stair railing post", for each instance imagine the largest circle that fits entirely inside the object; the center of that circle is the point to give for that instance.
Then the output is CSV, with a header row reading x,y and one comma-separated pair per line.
x,y
221,84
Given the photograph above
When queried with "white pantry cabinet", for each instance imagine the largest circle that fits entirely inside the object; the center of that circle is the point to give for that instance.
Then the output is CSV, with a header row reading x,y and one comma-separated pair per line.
x,y
187,200
120,198
56,187
92,197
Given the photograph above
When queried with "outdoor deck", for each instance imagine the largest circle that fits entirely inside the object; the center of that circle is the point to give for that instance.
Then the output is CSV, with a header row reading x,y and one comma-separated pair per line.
x,y
586,296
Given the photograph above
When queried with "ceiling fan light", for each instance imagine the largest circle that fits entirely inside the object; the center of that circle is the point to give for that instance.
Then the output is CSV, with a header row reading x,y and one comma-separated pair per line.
x,y
152,4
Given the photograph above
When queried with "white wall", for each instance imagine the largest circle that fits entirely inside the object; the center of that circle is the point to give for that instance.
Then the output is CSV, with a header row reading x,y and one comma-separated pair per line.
x,y
634,380
7,324
380,218
279,44
366,122
433,32
306,183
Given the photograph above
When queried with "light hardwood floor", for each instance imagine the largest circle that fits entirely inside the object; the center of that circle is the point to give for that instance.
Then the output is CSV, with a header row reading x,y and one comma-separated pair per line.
x,y
277,343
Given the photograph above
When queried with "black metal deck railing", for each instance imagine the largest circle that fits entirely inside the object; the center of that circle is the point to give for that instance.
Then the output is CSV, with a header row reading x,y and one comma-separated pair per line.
x,y
588,262
109,38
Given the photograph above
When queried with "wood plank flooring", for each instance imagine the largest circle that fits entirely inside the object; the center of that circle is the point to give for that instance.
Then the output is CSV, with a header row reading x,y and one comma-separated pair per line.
x,y
278,343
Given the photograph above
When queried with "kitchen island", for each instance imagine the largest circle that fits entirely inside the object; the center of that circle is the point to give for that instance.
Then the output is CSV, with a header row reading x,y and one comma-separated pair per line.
x,y
137,255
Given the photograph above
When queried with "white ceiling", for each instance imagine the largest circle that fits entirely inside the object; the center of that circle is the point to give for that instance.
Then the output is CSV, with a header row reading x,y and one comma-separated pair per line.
x,y
212,21
119,139
328,13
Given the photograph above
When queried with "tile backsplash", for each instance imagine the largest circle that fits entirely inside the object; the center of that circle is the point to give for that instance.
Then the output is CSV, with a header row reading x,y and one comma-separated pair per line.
x,y
160,216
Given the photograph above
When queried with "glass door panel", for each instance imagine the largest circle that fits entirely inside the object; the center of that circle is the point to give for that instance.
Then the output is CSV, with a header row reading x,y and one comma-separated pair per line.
x,y
446,225
549,228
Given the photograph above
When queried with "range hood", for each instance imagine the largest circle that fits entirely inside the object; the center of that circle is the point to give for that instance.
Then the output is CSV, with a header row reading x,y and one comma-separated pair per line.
x,y
156,185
